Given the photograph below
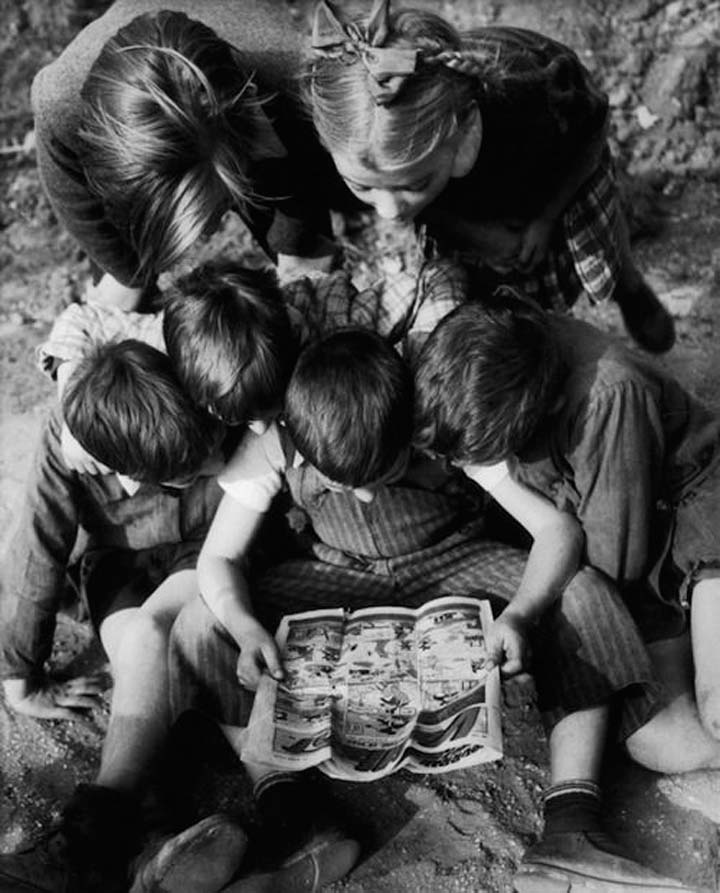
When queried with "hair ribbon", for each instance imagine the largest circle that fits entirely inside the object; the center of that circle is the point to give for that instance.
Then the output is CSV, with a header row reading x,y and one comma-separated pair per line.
x,y
349,41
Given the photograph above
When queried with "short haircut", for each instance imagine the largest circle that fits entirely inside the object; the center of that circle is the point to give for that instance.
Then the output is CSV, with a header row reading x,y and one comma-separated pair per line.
x,y
348,406
125,406
229,337
168,127
485,379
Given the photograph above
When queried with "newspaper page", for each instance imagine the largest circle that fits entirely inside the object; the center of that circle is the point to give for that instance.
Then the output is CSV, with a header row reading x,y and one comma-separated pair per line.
x,y
371,691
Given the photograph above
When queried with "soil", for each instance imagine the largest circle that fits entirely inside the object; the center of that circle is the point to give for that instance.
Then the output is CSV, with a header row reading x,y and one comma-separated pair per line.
x,y
464,831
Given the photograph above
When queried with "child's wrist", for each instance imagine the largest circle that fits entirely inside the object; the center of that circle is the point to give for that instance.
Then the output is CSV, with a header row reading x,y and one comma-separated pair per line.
x,y
525,616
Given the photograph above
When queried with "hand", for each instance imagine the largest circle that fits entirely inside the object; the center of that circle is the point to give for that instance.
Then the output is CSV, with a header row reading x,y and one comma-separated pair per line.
x,y
258,653
77,458
534,243
54,698
507,645
110,293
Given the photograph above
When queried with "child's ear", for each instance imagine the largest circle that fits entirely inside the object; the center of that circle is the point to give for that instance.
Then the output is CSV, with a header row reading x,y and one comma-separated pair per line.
x,y
470,136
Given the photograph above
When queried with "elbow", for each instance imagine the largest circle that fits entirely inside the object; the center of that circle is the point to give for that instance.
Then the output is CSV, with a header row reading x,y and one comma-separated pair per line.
x,y
574,535
568,537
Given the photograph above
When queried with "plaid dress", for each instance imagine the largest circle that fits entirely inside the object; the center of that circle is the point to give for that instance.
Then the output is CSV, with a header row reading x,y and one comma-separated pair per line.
x,y
540,110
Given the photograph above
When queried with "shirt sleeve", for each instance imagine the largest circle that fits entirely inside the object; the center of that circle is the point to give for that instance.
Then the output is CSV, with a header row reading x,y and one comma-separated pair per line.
x,y
329,301
63,178
617,460
254,474
80,327
40,549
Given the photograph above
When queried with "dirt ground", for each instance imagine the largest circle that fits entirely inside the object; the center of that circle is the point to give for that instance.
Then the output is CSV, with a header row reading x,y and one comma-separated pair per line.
x,y
464,831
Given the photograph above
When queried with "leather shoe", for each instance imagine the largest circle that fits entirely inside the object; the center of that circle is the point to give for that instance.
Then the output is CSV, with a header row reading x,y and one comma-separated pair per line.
x,y
587,861
648,322
202,859
328,857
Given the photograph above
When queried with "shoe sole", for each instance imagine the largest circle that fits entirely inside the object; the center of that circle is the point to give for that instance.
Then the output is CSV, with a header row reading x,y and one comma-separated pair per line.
x,y
546,879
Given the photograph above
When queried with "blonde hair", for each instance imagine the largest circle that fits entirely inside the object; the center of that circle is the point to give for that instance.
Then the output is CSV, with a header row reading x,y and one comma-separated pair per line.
x,y
168,126
428,107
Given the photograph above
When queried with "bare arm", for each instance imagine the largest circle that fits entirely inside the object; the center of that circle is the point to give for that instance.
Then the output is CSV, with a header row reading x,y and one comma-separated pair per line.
x,y
553,560
224,588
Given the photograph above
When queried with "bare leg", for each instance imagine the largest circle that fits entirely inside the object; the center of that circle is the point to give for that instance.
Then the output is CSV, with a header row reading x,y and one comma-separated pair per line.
x,y
674,740
136,641
577,744
705,632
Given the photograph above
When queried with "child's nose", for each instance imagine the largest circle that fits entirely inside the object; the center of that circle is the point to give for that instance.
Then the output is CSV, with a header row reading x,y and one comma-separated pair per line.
x,y
364,494
258,426
387,205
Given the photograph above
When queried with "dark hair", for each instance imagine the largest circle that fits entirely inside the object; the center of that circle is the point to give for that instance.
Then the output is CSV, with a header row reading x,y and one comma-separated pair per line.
x,y
168,126
348,406
125,406
485,378
229,337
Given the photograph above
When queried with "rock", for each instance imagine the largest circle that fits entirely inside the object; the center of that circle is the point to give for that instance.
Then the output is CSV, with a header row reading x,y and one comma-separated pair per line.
x,y
687,75
620,95
636,10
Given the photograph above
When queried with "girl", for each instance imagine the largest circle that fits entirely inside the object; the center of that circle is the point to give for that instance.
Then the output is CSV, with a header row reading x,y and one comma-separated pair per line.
x,y
495,141
160,116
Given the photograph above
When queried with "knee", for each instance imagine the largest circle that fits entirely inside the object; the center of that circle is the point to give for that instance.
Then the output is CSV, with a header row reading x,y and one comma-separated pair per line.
x,y
145,634
708,702
674,741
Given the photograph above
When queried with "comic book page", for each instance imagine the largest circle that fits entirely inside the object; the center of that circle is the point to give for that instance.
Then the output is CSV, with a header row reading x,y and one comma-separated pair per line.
x,y
374,690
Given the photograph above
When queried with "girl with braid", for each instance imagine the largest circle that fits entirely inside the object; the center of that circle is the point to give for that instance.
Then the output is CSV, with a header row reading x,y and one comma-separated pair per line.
x,y
494,141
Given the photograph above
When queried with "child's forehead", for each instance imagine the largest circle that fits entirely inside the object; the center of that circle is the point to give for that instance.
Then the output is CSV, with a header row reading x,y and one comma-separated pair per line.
x,y
356,170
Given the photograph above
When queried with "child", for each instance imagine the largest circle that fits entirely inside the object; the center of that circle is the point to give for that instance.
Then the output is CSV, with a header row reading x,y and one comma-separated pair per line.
x,y
495,139
144,522
159,117
611,439
388,526
232,333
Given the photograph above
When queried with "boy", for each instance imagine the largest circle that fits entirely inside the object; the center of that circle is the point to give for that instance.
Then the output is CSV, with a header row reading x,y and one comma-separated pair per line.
x,y
144,522
620,444
390,527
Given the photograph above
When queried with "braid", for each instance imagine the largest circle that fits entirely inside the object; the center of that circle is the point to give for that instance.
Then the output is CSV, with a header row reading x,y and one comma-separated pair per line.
x,y
481,64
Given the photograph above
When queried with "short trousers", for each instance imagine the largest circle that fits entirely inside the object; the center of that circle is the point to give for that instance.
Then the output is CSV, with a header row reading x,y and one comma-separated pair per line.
x,y
111,580
588,652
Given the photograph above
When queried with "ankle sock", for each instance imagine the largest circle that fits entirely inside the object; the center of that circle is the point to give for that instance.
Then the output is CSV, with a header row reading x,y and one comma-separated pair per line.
x,y
572,806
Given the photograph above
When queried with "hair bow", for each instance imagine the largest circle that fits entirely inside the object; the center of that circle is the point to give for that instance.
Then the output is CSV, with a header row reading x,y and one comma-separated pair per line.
x,y
348,41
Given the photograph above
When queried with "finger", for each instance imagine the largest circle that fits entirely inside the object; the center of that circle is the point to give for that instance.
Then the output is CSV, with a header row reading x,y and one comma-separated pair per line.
x,y
96,468
83,686
43,711
248,674
64,713
76,702
511,667
90,690
272,661
495,652
97,678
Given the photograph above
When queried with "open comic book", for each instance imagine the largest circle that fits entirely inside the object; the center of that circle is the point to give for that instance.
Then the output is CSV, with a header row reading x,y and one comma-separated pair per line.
x,y
370,691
